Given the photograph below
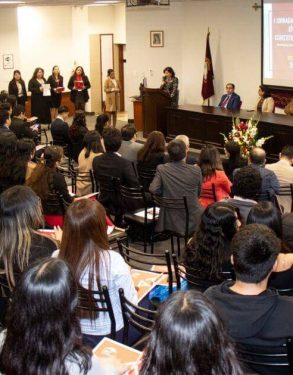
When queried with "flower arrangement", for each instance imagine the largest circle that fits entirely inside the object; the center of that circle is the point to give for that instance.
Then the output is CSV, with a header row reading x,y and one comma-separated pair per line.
x,y
245,133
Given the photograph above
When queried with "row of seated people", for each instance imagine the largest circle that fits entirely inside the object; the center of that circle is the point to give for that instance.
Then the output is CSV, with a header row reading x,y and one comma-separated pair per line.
x,y
253,311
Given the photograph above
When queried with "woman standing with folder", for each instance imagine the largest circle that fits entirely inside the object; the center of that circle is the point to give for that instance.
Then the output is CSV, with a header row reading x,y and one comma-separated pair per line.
x,y
56,83
79,85
40,97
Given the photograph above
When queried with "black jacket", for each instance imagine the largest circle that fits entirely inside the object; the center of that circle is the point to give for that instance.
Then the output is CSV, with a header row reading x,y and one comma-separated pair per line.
x,y
265,319
12,89
60,132
85,94
22,129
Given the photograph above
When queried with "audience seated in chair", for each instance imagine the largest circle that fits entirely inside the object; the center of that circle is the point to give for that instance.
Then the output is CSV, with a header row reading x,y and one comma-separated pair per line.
x,y
77,131
60,128
5,121
284,172
208,252
234,159
153,151
287,229
19,126
85,247
246,186
111,165
102,122
177,179
188,338
46,338
189,159
12,165
92,147
46,180
254,313
129,147
270,184
267,214
21,244
212,173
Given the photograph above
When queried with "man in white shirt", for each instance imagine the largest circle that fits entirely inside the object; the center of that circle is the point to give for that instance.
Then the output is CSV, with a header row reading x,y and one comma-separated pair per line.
x,y
284,172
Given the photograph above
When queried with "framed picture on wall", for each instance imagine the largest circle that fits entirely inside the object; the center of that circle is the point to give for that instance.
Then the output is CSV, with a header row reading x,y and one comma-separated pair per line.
x,y
157,38
8,61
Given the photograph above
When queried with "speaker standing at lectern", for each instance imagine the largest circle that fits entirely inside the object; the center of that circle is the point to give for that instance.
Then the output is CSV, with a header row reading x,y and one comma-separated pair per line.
x,y
170,84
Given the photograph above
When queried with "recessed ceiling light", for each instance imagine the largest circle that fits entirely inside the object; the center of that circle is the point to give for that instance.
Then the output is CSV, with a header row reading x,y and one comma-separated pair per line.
x,y
11,2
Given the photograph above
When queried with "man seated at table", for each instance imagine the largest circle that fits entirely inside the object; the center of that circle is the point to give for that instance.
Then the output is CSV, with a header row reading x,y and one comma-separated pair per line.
x,y
254,313
177,179
230,100
289,108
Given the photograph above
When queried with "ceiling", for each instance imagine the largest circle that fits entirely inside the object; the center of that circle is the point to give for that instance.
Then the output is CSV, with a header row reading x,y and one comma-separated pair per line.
x,y
58,2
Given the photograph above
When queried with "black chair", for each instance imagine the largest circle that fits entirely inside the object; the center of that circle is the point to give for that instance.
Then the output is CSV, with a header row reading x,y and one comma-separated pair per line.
x,y
142,261
137,197
138,317
187,273
5,296
209,193
145,177
175,204
96,302
275,360
287,191
77,176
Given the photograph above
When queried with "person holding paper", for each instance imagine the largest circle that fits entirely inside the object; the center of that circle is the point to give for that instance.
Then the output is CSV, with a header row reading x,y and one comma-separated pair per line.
x,y
56,84
112,90
40,96
79,85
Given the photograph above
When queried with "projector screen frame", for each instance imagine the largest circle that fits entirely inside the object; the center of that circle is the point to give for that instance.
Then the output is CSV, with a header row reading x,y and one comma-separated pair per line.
x,y
272,87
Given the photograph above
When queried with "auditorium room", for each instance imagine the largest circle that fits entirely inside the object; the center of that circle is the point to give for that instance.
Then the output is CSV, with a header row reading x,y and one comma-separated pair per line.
x,y
146,187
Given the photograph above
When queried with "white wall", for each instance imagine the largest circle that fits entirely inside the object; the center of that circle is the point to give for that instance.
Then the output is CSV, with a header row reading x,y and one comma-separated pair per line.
x,y
235,44
8,43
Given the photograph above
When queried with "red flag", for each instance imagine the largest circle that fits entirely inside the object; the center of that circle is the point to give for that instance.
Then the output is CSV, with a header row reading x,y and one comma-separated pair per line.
x,y
207,89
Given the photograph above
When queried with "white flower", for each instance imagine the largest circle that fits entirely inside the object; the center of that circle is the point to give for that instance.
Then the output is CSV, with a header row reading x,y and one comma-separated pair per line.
x,y
260,142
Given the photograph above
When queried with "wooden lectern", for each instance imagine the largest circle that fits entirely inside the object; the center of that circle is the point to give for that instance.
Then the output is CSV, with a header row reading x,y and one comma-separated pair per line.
x,y
154,103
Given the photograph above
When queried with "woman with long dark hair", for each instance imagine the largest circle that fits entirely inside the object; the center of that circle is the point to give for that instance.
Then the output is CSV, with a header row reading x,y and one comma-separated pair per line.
x,y
265,102
153,151
189,338
267,214
79,85
85,248
208,252
40,102
92,147
56,83
46,180
77,131
43,332
12,166
102,122
234,159
212,173
170,84
17,88
20,217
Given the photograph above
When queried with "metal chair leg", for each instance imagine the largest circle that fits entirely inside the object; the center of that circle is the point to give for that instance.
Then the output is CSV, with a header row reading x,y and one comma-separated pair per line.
x,y
178,247
172,243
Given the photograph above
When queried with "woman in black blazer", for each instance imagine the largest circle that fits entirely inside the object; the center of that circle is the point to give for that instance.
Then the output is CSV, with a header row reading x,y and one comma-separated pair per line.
x,y
79,85
40,103
17,88
56,82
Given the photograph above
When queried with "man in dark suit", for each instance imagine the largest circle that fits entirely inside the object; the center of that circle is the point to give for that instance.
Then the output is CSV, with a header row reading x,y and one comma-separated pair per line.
x,y
19,126
60,128
111,164
5,121
177,179
230,100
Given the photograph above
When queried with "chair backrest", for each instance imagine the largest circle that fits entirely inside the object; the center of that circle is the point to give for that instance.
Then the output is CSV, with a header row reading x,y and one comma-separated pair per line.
x,y
209,193
145,176
270,360
136,195
97,301
106,183
82,177
136,316
287,190
174,204
143,261
187,273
